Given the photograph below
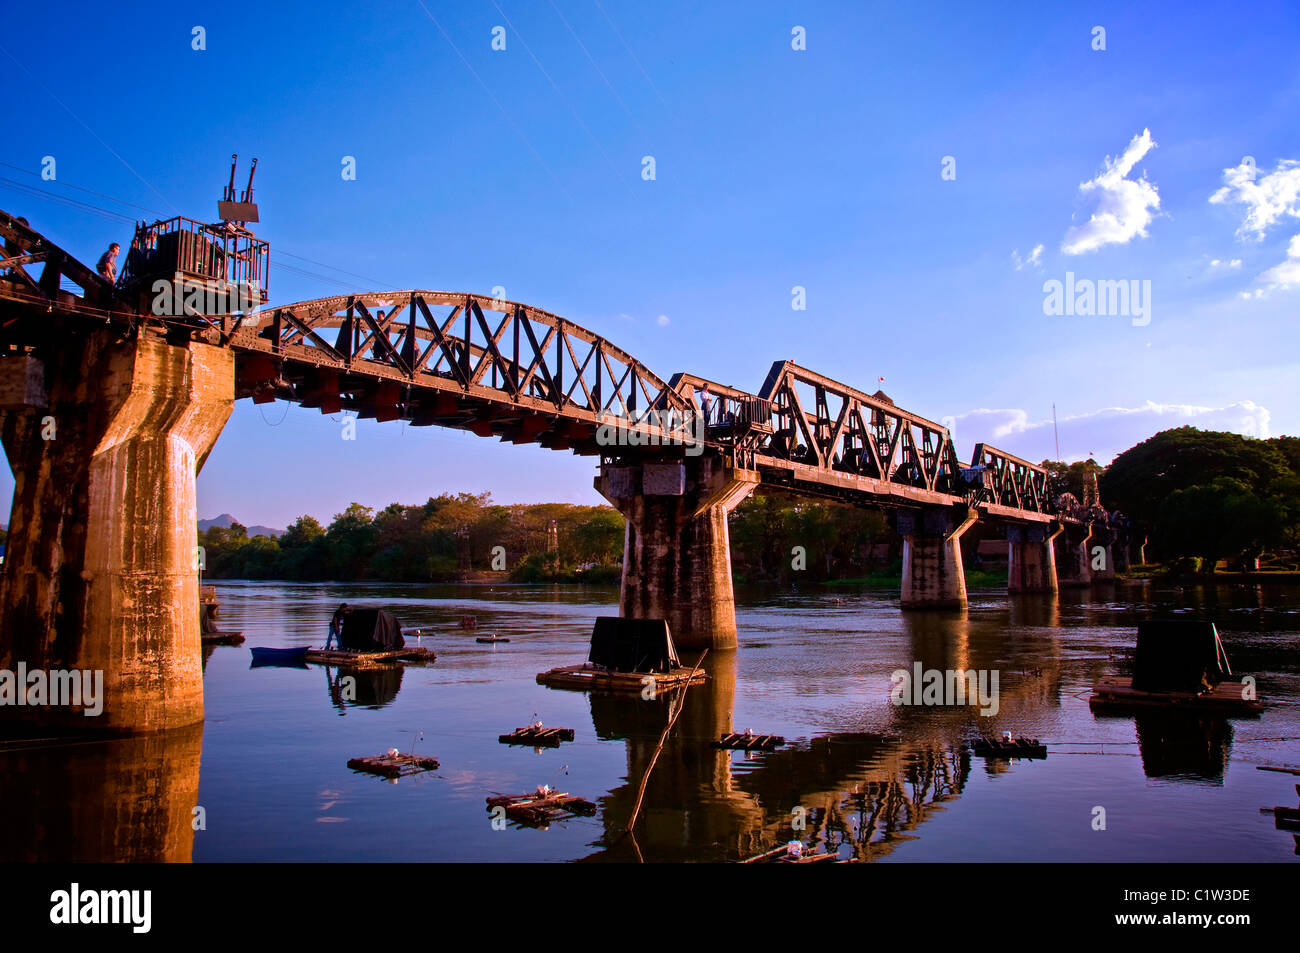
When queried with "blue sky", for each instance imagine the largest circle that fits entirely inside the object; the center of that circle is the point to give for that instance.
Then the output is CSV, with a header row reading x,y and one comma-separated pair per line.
x,y
775,168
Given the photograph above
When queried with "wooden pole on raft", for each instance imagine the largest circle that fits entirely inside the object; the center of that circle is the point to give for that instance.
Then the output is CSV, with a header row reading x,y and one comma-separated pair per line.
x,y
645,778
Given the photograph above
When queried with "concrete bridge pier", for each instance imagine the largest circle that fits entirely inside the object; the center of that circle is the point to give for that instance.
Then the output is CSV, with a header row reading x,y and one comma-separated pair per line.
x,y
1031,557
676,553
1103,570
105,436
1074,557
933,576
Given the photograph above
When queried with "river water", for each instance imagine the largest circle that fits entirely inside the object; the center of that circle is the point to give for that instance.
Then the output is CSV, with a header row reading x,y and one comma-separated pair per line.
x,y
859,774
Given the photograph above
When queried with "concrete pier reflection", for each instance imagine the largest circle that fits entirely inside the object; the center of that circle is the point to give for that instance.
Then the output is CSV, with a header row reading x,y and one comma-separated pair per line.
x,y
124,800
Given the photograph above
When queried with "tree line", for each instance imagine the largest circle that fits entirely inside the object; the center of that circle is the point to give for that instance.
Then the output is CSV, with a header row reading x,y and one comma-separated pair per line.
x,y
446,538
1197,497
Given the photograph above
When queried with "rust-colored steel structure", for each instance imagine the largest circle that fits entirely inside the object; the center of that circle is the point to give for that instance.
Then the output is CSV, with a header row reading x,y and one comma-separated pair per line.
x,y
504,369
493,367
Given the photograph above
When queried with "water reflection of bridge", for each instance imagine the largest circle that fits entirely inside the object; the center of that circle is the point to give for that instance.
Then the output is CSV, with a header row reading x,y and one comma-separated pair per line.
x,y
860,792
863,794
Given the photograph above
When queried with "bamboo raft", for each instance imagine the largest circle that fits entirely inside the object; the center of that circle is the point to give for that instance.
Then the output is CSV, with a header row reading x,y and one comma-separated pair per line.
x,y
490,639
542,806
1117,694
223,638
364,659
390,765
1017,748
748,741
537,736
588,677
783,855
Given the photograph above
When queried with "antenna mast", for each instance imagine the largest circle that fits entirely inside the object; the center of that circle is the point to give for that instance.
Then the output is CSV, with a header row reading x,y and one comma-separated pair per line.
x,y
238,213
1056,435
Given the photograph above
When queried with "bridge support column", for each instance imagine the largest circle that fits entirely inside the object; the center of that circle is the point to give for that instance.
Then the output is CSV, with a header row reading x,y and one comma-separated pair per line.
x,y
99,572
676,551
1031,558
1103,570
933,577
1073,559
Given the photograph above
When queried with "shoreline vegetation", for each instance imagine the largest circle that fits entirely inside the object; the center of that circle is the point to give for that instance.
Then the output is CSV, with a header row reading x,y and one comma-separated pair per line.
x,y
1200,499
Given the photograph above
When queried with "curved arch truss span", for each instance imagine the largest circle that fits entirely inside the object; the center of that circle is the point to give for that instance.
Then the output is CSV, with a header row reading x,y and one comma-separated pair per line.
x,y
491,366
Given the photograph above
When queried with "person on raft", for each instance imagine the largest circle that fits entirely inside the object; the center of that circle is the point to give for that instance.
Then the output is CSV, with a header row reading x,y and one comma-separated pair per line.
x,y
336,626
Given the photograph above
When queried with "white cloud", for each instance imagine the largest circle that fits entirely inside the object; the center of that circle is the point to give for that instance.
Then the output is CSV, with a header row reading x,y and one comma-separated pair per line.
x,y
1124,205
1266,199
1103,433
1035,258
1219,264
1283,276
663,320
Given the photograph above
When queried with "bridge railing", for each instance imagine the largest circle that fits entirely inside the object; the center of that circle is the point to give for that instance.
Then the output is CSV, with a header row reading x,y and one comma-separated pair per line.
x,y
196,252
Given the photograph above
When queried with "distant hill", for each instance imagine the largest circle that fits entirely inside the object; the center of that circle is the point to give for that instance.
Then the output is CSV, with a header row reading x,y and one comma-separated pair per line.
x,y
225,520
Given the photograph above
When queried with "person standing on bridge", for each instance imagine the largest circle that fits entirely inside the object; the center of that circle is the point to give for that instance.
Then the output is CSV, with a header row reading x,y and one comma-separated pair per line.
x,y
108,263
704,404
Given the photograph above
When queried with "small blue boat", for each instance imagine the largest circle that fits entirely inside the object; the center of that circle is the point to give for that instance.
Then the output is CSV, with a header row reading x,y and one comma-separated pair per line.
x,y
267,656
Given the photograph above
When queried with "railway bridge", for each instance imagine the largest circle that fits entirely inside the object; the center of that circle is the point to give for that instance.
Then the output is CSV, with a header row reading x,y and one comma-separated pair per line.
x,y
112,395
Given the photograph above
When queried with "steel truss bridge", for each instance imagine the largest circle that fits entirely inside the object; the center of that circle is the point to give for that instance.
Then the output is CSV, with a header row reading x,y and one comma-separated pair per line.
x,y
504,369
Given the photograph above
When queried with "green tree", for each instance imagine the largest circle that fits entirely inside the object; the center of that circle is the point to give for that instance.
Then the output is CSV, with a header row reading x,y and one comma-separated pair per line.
x,y
1142,477
598,537
1070,477
1220,519
349,541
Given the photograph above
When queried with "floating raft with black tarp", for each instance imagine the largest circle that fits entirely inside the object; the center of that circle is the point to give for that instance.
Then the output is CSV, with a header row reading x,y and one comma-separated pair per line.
x,y
541,807
748,741
362,659
1015,748
786,854
1178,665
391,765
627,655
1116,694
537,736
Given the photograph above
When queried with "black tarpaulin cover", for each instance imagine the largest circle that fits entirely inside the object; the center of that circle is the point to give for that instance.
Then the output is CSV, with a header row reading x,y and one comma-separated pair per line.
x,y
1177,655
371,630
633,645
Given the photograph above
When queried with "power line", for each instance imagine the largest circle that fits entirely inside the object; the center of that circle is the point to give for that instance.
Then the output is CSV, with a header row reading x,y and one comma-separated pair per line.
x,y
619,34
69,202
593,62
79,188
510,119
83,125
63,200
